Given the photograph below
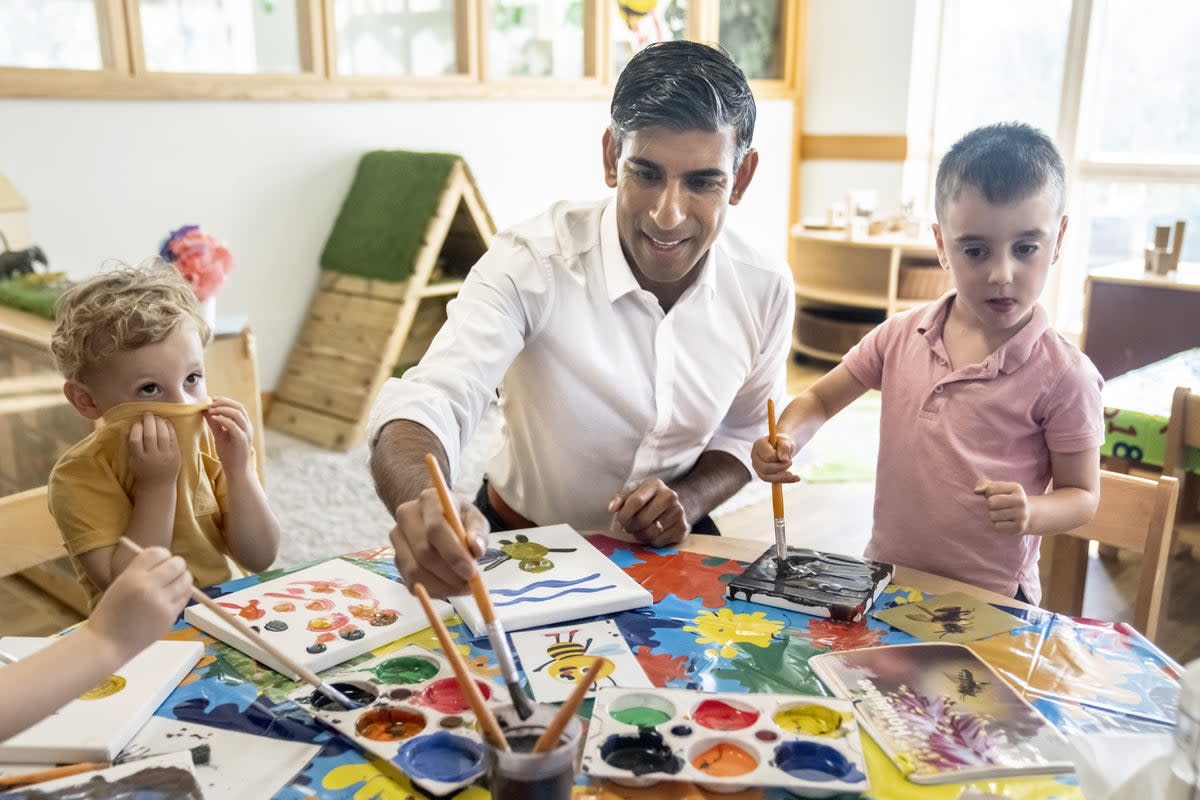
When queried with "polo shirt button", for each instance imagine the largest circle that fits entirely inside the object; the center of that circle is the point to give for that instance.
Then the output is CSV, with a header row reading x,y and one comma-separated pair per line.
x,y
938,388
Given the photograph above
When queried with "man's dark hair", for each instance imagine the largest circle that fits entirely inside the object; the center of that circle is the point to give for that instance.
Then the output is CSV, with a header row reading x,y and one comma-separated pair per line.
x,y
1006,162
684,86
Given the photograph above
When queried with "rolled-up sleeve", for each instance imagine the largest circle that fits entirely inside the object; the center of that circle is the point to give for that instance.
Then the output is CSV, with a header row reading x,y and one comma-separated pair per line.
x,y
487,325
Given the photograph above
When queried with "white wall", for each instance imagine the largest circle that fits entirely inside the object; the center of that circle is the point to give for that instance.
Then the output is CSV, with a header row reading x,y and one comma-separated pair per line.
x,y
857,67
110,179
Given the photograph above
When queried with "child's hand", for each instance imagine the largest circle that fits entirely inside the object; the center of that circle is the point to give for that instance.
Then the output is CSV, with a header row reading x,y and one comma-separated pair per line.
x,y
232,431
1007,504
143,601
153,452
772,463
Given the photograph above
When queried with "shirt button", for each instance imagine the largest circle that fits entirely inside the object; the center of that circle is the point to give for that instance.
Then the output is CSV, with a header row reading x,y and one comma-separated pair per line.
x,y
938,388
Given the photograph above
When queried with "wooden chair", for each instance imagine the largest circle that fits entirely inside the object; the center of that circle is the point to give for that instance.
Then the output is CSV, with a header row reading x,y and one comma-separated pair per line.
x,y
31,546
1183,431
1134,514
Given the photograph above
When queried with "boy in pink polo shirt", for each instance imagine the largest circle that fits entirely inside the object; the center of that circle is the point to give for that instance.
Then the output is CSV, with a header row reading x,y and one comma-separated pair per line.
x,y
984,404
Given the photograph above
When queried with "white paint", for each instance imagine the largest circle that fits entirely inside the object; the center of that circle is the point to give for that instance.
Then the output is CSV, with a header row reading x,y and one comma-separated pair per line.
x,y
109,179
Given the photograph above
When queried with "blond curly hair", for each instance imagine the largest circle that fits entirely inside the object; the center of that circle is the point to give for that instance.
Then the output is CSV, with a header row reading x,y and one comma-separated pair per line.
x,y
118,310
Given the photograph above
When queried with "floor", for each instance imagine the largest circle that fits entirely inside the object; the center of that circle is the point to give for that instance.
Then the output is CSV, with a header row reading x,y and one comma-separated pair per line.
x,y
835,517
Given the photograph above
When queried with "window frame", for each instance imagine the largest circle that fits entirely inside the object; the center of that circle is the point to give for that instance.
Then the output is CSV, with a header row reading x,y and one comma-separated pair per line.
x,y
124,74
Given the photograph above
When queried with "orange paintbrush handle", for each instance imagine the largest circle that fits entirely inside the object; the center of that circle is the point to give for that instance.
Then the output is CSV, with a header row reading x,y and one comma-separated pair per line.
x,y
554,730
487,721
776,488
478,590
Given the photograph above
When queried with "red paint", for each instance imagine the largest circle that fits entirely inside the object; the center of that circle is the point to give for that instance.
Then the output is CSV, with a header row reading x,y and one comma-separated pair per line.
x,y
718,715
688,576
319,605
248,611
364,611
330,623
282,607
446,696
358,591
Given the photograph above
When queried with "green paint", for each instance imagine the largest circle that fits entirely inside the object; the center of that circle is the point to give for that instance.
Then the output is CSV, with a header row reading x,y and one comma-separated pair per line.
x,y
642,716
405,670
780,668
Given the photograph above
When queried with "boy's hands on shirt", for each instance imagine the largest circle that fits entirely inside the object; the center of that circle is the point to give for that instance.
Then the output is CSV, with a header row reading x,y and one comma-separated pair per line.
x,y
771,463
153,452
1007,505
143,601
232,433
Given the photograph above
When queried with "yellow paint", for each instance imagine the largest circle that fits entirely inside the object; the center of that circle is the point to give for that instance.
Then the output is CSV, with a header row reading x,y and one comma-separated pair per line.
x,y
727,628
106,688
810,719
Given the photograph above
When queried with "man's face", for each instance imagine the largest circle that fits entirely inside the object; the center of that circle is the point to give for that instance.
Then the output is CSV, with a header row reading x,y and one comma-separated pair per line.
x,y
999,255
673,189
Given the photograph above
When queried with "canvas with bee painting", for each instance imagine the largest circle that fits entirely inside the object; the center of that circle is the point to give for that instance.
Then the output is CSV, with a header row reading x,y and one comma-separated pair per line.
x,y
942,714
954,617
554,659
543,576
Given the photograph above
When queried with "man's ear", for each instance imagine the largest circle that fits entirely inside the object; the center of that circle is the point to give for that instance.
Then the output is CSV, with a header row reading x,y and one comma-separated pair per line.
x,y
745,173
78,395
1062,231
941,246
611,155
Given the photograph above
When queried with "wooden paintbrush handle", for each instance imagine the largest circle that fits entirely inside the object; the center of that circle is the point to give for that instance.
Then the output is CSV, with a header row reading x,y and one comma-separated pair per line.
x,y
554,730
24,779
478,590
491,728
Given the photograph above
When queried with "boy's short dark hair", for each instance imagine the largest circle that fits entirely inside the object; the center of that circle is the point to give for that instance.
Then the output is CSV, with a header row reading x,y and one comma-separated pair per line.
x,y
1007,162
684,86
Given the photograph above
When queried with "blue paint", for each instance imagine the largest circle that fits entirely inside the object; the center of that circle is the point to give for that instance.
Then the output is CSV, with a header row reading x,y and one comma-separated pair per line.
x,y
548,584
553,596
681,730
815,762
440,757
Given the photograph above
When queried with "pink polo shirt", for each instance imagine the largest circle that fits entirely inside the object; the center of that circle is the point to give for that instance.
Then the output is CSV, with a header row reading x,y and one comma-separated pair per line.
x,y
942,430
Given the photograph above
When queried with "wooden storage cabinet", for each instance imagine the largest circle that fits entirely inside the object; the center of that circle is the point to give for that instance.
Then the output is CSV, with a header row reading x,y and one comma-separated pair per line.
x,y
840,282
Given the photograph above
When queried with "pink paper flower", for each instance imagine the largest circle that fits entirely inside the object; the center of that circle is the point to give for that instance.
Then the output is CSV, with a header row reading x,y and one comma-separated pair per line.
x,y
202,260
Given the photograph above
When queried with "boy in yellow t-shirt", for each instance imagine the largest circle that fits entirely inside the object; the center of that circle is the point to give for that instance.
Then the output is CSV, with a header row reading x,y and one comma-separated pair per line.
x,y
166,465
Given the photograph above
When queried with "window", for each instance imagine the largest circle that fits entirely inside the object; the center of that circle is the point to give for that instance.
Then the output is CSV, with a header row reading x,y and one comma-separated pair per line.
x,y
219,36
50,34
416,38
634,26
536,38
752,32
1116,83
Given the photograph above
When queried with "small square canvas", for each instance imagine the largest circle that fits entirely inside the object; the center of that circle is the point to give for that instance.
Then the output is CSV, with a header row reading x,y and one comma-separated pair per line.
x,y
171,775
554,659
96,726
543,576
320,616
813,582
954,617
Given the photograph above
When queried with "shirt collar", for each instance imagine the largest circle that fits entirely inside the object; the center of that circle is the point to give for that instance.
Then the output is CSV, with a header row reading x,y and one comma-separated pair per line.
x,y
1009,356
137,408
618,275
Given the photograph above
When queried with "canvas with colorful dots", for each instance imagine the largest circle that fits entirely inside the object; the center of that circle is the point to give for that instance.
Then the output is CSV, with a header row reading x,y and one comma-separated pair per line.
x,y
726,742
99,723
320,616
542,576
413,716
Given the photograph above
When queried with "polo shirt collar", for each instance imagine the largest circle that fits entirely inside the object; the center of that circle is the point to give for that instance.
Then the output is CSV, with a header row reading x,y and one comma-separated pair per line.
x,y
618,275
1009,356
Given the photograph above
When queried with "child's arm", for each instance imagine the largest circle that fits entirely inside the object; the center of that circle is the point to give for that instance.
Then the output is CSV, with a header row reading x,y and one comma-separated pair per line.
x,y
1071,502
154,459
137,609
250,529
802,418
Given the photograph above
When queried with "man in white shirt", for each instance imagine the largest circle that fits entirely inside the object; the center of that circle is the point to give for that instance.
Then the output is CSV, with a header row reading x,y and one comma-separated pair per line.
x,y
635,343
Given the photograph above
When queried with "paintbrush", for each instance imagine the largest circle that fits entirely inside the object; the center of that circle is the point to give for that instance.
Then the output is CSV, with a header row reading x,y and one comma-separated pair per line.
x,y
200,755
487,721
554,730
245,630
776,494
495,629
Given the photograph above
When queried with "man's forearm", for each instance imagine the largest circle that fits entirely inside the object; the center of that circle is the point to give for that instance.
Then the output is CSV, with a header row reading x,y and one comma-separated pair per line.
x,y
715,478
398,462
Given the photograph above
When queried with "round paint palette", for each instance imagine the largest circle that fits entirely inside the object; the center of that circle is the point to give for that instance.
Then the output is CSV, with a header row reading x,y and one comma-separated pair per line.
x,y
414,716
726,742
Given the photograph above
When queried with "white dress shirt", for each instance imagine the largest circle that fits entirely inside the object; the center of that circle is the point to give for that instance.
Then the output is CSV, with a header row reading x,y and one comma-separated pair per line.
x,y
599,387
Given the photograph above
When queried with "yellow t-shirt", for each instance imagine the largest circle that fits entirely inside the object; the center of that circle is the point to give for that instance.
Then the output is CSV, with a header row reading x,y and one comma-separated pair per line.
x,y
91,491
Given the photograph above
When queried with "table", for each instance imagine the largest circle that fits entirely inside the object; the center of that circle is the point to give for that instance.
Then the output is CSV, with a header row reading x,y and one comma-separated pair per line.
x,y
1137,406
1131,319
1083,675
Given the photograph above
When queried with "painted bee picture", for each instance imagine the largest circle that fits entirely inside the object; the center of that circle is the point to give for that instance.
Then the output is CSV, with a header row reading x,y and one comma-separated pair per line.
x,y
966,684
951,619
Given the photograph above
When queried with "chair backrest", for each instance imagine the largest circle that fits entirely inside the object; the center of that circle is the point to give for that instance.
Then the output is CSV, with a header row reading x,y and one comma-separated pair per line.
x,y
28,534
1183,430
1135,514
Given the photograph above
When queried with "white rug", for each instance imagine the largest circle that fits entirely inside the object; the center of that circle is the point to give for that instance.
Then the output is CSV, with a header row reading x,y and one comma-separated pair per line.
x,y
326,502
